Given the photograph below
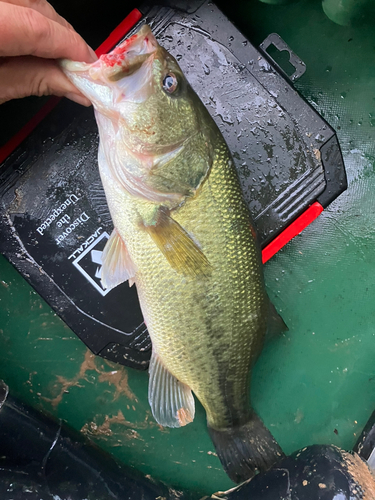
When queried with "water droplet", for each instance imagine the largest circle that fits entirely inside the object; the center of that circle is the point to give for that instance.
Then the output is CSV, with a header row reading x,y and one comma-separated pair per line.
x,y
328,69
343,95
264,66
319,137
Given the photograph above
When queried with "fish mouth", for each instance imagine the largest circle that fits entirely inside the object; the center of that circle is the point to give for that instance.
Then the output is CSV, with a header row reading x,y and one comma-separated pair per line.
x,y
130,55
125,70
124,60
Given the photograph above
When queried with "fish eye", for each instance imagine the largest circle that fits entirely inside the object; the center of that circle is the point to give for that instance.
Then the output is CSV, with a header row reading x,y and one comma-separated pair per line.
x,y
170,83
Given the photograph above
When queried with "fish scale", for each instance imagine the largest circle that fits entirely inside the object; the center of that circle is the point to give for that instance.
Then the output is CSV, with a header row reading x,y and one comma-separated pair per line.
x,y
177,321
183,234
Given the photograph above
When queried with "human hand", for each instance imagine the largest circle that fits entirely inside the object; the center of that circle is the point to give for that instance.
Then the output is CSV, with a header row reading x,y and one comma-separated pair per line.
x,y
32,37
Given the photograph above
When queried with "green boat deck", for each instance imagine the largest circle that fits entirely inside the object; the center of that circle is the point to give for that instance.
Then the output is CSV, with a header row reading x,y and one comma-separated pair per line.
x,y
313,385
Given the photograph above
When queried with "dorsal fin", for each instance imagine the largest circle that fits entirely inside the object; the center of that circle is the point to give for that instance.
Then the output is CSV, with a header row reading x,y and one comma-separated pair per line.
x,y
275,325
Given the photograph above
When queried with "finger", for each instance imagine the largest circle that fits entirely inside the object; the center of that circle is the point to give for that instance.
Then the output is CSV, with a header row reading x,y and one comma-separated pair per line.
x,y
26,75
44,8
24,31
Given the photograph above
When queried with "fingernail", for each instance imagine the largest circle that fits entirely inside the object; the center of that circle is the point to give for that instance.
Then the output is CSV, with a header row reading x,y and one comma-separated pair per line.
x,y
92,52
79,99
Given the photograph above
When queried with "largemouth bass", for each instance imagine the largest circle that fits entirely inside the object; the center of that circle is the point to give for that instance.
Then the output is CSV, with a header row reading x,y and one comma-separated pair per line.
x,y
184,236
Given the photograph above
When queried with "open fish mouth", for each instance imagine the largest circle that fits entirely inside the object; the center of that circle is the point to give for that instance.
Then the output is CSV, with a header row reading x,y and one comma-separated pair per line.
x,y
127,58
122,61
132,58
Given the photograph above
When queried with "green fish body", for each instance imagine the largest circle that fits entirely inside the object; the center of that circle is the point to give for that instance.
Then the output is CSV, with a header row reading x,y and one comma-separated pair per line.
x,y
184,236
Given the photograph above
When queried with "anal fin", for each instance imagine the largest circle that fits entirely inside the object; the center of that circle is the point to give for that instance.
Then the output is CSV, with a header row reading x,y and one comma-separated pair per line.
x,y
117,265
172,402
182,253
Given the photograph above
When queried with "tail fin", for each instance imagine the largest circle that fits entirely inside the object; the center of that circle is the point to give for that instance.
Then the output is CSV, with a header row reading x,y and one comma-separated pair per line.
x,y
246,450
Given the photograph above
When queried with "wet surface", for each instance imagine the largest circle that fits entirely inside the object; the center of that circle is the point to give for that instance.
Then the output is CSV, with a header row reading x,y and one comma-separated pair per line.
x,y
316,472
56,219
313,385
275,138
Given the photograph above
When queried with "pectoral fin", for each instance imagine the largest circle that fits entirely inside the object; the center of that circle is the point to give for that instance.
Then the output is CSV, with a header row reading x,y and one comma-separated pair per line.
x,y
117,265
172,403
182,253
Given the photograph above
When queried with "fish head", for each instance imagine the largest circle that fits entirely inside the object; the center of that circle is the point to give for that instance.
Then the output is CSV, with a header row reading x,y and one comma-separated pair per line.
x,y
142,90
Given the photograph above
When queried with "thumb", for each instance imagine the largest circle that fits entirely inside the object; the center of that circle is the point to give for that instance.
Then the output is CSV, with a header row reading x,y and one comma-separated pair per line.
x,y
27,75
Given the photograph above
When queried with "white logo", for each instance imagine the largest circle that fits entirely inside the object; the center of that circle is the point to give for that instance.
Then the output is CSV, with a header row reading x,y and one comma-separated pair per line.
x,y
89,262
